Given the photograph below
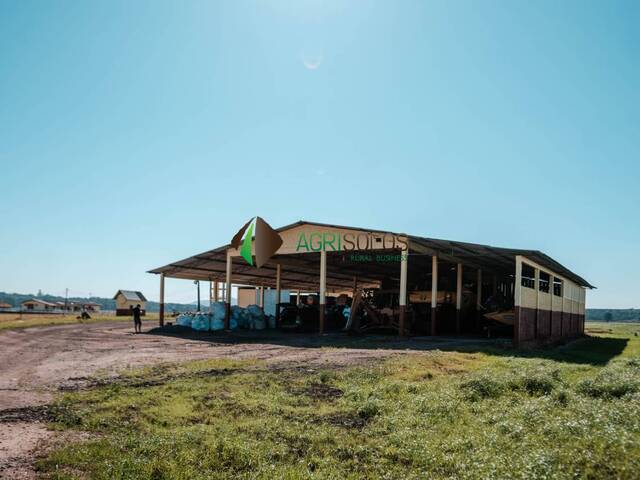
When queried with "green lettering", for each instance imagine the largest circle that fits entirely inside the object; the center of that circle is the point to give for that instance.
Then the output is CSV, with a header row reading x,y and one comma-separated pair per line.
x,y
302,241
319,237
326,242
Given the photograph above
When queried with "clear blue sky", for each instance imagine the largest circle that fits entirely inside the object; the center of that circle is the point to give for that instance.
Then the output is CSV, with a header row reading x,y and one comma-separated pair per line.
x,y
136,133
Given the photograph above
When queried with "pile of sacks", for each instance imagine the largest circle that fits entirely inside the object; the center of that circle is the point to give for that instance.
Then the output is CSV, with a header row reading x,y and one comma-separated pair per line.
x,y
197,321
251,317
201,322
217,317
184,320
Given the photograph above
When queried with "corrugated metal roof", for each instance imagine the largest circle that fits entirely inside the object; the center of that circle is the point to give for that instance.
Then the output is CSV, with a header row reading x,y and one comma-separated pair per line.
x,y
42,302
210,265
131,295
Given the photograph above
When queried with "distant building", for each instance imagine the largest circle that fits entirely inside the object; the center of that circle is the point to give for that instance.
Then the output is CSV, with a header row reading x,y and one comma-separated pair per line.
x,y
36,305
74,306
5,306
127,299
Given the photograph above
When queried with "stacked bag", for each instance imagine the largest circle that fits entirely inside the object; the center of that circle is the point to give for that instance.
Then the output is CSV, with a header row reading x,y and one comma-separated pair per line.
x,y
239,316
252,318
201,322
184,320
217,316
256,319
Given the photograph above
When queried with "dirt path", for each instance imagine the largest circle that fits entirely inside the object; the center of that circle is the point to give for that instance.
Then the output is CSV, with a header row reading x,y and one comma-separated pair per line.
x,y
36,362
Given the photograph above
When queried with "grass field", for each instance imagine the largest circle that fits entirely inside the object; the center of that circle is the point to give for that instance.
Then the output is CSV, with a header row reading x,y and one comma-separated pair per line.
x,y
571,412
26,320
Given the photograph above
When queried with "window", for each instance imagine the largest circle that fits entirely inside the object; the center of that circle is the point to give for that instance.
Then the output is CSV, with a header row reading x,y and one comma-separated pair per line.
x,y
528,276
557,287
543,284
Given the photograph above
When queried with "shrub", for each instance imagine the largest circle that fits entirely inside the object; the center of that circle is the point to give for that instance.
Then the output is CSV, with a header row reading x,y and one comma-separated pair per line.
x,y
614,386
64,414
482,387
561,397
615,381
369,409
534,383
326,377
634,362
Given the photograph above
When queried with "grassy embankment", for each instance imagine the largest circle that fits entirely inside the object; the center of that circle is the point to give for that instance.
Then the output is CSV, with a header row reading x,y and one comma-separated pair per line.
x,y
8,321
572,412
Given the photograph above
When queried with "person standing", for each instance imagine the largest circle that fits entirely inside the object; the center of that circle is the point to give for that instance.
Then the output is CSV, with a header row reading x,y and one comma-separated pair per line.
x,y
137,319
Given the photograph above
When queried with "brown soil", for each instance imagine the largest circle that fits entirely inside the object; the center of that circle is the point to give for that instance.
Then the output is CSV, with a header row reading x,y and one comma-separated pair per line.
x,y
322,391
20,444
345,420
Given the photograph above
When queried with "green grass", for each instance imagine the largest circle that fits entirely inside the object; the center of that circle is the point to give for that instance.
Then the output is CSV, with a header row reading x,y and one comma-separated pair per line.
x,y
570,412
43,320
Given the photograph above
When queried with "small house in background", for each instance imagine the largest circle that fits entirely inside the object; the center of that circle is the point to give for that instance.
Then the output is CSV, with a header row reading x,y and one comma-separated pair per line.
x,y
127,299
35,305
5,306
73,306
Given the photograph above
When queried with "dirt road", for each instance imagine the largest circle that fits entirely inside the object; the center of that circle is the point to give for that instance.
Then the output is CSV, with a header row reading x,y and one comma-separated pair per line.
x,y
36,362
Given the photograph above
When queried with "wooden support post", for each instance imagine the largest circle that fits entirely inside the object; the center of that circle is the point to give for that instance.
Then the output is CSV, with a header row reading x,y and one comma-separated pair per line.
x,y
404,260
517,299
583,308
227,298
478,299
434,292
210,296
216,287
261,299
458,296
162,300
278,294
562,332
552,281
323,288
298,299
537,288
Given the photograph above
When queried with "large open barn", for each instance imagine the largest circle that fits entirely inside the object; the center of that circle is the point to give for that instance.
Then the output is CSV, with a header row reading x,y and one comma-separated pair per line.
x,y
394,282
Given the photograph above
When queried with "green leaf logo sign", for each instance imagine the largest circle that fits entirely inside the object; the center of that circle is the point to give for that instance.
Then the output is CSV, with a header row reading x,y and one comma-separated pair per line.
x,y
267,241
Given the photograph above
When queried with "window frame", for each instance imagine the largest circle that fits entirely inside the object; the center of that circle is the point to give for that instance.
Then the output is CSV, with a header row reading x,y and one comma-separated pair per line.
x,y
526,280
558,282
544,285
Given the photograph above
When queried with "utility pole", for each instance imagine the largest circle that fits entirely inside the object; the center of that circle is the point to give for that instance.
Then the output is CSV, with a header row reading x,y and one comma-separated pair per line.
x,y
66,298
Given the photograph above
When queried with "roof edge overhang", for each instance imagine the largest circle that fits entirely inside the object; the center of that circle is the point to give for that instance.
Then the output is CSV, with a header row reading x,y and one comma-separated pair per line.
x,y
449,250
